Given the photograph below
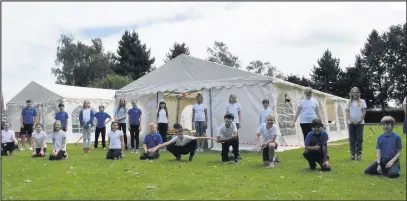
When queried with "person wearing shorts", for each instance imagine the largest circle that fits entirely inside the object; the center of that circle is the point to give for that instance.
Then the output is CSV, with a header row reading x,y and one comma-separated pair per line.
x,y
199,120
28,119
8,140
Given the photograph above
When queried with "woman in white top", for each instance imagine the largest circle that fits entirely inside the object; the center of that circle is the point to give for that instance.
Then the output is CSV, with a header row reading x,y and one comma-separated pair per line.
x,y
405,114
235,109
116,142
58,143
162,120
8,140
355,114
307,110
38,138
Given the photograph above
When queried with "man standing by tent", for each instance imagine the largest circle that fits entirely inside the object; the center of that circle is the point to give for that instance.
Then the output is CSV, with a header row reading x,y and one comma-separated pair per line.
x,y
27,120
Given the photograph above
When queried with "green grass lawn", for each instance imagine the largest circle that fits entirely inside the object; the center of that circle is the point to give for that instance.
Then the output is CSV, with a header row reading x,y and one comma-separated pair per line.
x,y
90,176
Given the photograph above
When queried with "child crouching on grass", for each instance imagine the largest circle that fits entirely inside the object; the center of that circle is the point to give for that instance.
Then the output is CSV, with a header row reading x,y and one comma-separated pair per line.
x,y
388,149
38,142
8,140
227,135
58,143
316,147
268,131
116,142
181,144
151,140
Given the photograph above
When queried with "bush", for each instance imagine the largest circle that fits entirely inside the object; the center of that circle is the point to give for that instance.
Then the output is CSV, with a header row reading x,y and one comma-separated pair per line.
x,y
374,116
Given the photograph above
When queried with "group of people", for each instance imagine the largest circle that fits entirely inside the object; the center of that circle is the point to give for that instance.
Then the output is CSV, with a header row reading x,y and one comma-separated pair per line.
x,y
315,135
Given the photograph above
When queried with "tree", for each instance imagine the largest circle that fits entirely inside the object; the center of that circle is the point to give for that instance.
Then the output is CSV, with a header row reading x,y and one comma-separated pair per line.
x,y
221,55
324,77
373,55
78,64
112,81
297,80
133,57
177,50
395,58
264,68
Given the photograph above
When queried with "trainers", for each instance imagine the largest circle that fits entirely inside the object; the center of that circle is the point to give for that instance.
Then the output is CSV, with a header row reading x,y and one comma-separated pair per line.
x,y
22,149
136,152
190,158
277,159
132,152
236,161
359,157
178,158
352,157
271,165
30,148
104,147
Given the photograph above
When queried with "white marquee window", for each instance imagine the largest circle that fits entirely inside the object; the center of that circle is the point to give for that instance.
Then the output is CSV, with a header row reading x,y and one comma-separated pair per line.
x,y
76,126
285,113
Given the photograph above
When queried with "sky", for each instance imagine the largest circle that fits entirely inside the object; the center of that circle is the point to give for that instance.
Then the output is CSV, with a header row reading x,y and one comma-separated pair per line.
x,y
290,35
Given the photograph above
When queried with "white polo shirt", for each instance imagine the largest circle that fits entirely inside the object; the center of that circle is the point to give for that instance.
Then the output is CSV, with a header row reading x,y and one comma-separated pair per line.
x,y
114,139
355,111
185,140
267,134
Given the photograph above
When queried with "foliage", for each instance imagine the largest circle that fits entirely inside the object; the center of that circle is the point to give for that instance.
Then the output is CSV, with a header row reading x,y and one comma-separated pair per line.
x,y
264,68
133,57
112,81
78,64
91,177
297,80
177,50
221,55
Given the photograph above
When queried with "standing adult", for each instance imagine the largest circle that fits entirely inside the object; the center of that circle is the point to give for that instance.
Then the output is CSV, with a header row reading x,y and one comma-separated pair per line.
x,y
307,110
355,114
405,115
28,119
199,120
120,116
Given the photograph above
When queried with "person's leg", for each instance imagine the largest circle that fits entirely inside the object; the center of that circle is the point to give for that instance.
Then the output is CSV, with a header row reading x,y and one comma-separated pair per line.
x,y
37,152
359,141
304,129
3,149
310,156
372,169
89,131
271,150
190,148
122,127
103,132
198,133
225,151
22,137
97,133
238,142
117,153
29,129
235,149
394,171
153,155
84,137
137,136
109,155
265,155
352,141
132,132
60,155
45,151
173,149
143,156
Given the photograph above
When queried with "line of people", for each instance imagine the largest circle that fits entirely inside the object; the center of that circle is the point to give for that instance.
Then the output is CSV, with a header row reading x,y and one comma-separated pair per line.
x,y
315,136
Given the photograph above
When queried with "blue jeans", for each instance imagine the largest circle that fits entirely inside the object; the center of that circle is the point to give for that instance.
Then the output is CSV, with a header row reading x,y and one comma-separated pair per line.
x,y
200,128
392,172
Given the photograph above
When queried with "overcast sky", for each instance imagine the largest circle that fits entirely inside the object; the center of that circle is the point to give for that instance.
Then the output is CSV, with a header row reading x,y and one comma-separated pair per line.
x,y
291,35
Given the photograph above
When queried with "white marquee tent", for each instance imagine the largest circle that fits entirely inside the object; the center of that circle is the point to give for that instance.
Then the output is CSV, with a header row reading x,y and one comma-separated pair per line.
x,y
178,81
46,98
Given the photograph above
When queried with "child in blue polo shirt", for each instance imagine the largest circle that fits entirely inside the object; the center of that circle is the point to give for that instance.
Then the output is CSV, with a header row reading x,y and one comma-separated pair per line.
x,y
151,140
101,122
62,116
28,119
388,149
316,147
135,126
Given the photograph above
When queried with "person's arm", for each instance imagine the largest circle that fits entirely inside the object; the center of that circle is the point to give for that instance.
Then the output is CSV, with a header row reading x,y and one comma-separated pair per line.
x,y
109,119
22,118
397,156
297,113
308,145
124,116
229,138
122,143
81,118
239,110
53,146
36,117
66,121
325,148
193,117
161,145
272,139
92,116
63,142
141,120
145,144
364,106
43,143
203,138
206,116
33,143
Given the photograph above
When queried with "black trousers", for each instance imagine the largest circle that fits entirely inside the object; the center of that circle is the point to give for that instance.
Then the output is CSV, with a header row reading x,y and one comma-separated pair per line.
x,y
135,133
8,147
234,142
37,151
306,128
150,156
99,131
314,157
122,127
163,130
114,154
188,148
60,155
